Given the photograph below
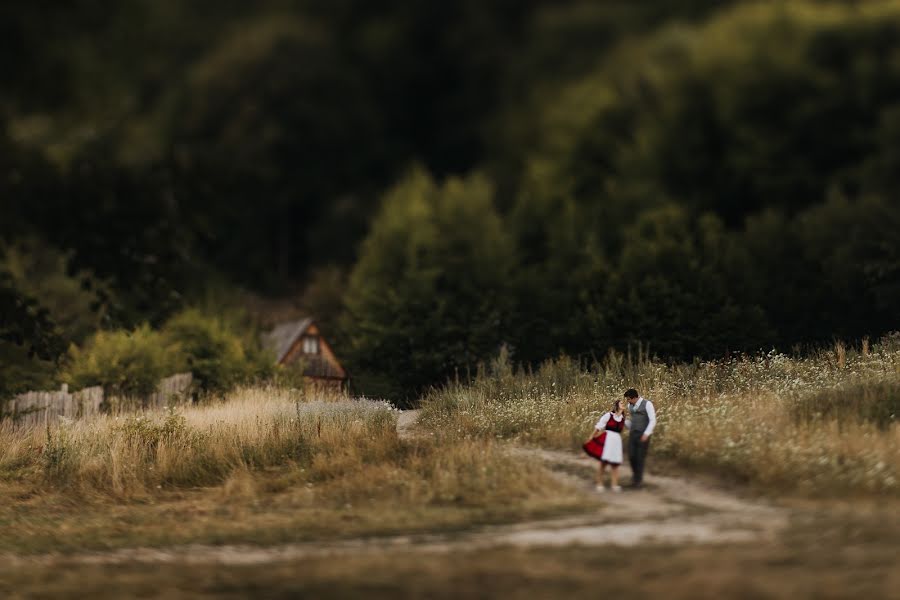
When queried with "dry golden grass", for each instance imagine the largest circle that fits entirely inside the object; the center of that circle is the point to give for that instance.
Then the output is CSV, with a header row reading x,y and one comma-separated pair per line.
x,y
823,424
127,456
262,467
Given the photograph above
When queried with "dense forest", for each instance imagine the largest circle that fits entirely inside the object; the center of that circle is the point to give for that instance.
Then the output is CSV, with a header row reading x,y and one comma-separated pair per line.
x,y
437,180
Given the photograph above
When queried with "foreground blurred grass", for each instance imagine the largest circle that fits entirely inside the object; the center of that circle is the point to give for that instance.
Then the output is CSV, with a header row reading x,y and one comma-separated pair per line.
x,y
827,423
261,467
841,550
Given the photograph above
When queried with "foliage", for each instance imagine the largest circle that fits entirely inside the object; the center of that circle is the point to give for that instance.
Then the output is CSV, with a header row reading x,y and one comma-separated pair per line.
x,y
732,115
706,176
671,289
125,363
428,297
21,372
561,279
24,322
212,351
76,302
29,340
707,204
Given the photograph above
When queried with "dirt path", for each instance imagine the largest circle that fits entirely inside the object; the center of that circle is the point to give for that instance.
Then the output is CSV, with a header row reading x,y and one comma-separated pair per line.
x,y
671,510
668,510
406,423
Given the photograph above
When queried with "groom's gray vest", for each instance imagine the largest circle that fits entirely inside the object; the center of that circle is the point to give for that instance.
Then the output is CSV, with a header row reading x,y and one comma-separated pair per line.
x,y
639,418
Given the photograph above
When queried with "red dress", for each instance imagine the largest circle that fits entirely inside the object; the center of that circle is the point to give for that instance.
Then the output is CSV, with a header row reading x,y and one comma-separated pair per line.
x,y
594,446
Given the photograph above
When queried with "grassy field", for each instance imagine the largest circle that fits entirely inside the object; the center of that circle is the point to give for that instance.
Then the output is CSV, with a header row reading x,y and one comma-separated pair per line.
x,y
268,466
821,424
262,467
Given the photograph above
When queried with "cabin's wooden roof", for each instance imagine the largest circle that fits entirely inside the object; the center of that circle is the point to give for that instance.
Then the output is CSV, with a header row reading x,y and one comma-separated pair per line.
x,y
282,338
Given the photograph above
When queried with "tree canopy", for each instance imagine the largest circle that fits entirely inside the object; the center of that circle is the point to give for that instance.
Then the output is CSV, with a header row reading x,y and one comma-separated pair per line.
x,y
441,179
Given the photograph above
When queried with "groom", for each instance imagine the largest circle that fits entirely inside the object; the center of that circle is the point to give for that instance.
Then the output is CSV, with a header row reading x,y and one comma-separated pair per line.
x,y
643,421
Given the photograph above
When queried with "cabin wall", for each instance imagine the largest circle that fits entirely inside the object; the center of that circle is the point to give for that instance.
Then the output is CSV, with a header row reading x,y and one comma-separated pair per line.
x,y
295,354
325,351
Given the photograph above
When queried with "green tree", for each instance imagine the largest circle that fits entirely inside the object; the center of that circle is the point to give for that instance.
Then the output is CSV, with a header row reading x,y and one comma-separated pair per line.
x,y
212,350
429,295
831,270
74,301
561,281
670,289
755,116
763,106
30,343
282,131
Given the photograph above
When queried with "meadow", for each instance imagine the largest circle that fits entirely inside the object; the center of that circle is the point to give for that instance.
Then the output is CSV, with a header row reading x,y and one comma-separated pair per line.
x,y
265,465
269,466
823,423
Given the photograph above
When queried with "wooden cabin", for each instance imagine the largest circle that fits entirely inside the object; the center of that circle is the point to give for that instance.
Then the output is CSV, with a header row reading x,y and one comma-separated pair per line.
x,y
301,343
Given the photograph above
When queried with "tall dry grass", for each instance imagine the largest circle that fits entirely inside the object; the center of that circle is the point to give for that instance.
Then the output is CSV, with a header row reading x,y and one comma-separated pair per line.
x,y
826,422
261,442
263,466
128,455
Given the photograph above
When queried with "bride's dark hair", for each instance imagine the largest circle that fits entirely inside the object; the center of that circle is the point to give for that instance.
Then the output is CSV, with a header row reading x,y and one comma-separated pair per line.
x,y
616,405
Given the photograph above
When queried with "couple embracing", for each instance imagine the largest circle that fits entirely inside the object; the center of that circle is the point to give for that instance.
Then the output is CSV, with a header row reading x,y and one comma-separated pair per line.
x,y
606,442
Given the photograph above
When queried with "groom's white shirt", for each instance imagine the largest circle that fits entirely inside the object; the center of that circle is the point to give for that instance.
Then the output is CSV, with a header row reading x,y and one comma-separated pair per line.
x,y
651,416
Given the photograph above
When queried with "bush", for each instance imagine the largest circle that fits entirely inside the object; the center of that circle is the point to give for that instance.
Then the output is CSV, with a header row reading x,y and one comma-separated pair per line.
x,y
213,351
127,363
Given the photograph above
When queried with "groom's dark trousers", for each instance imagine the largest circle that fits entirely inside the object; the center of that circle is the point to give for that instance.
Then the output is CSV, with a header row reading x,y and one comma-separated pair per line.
x,y
637,456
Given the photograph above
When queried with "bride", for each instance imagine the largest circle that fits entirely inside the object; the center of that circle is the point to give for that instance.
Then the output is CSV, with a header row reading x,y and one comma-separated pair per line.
x,y
605,445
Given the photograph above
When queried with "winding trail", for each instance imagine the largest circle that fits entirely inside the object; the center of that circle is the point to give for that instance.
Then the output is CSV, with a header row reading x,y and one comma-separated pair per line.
x,y
670,510
667,510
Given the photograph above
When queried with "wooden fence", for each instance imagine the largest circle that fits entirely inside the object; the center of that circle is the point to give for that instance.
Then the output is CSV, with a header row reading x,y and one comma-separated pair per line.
x,y
171,390
41,408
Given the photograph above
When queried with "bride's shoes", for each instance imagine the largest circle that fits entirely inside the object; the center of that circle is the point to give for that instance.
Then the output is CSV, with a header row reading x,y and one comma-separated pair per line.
x,y
601,488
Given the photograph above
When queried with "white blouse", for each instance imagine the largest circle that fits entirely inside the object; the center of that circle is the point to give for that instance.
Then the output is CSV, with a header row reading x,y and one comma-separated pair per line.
x,y
601,424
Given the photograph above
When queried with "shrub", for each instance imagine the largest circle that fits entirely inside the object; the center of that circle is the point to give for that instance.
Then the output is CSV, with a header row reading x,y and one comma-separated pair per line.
x,y
126,363
212,351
